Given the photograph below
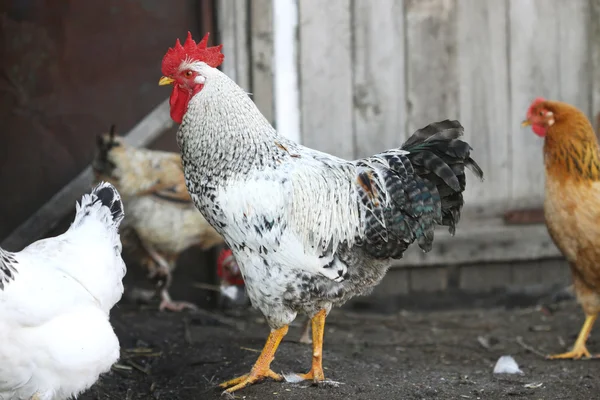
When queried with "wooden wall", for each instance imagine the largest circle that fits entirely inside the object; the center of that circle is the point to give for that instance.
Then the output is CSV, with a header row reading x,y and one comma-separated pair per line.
x,y
68,70
373,71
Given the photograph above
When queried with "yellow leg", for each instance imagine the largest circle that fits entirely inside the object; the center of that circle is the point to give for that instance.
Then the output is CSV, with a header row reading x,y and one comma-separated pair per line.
x,y
579,349
262,367
318,330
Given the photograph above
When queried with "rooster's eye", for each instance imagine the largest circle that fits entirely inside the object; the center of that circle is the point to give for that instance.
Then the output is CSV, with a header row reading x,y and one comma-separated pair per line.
x,y
188,73
541,113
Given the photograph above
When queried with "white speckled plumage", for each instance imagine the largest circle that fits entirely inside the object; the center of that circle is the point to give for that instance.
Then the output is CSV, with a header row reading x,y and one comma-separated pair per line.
x,y
54,309
309,230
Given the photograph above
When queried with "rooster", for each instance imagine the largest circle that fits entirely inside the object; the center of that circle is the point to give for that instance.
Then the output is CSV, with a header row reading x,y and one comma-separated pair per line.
x,y
309,230
572,201
55,299
159,208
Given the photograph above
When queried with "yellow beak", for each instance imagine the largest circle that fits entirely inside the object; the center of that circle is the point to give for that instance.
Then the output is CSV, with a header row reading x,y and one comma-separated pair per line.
x,y
525,123
165,80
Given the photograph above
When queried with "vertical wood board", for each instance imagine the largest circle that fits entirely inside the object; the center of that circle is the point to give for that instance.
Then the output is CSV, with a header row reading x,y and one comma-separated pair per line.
x,y
432,76
546,60
594,47
261,30
233,30
325,68
484,99
379,74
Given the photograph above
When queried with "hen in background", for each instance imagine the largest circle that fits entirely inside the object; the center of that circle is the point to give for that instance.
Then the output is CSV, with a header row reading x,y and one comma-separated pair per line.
x,y
308,229
55,299
159,208
572,201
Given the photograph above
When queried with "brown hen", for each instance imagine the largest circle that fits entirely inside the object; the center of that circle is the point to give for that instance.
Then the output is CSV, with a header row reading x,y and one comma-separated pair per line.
x,y
572,202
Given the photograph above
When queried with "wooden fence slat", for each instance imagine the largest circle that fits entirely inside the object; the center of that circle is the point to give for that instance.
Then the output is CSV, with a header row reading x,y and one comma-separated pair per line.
x,y
226,25
242,42
261,25
547,61
532,39
484,99
233,22
325,67
379,87
432,88
477,242
575,84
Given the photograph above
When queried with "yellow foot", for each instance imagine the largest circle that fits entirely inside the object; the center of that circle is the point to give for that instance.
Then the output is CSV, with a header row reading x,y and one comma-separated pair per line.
x,y
579,349
575,354
262,367
249,379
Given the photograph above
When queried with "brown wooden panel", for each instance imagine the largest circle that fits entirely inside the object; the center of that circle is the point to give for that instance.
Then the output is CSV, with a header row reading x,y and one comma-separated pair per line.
x,y
69,69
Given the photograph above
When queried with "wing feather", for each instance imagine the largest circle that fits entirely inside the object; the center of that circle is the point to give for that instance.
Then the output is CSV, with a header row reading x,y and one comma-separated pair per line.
x,y
7,268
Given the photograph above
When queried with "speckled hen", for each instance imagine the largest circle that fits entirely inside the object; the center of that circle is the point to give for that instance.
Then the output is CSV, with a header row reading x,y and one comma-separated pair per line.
x,y
309,230
160,210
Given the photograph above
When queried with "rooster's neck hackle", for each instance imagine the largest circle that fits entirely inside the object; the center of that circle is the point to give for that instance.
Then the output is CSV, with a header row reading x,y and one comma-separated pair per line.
x,y
571,150
223,134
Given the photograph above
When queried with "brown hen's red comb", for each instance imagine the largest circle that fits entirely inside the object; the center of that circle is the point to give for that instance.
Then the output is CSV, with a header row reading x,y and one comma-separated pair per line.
x,y
537,101
193,52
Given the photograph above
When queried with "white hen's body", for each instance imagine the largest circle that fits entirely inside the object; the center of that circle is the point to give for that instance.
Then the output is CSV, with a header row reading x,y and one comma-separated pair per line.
x,y
54,312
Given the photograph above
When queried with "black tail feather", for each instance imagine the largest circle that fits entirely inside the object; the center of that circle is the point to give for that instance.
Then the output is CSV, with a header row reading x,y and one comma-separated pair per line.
x,y
439,157
108,195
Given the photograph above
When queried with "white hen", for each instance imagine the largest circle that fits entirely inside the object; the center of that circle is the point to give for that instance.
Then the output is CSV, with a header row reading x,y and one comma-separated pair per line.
x,y
55,299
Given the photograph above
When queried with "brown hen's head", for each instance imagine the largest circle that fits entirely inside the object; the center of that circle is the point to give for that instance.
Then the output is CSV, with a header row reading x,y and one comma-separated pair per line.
x,y
540,117
179,69
544,114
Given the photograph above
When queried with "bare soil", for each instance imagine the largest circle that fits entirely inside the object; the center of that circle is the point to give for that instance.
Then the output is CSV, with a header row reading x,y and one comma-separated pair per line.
x,y
448,354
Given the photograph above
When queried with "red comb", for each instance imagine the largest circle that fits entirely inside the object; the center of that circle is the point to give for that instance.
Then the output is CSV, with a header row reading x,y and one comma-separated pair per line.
x,y
229,276
224,255
192,51
537,101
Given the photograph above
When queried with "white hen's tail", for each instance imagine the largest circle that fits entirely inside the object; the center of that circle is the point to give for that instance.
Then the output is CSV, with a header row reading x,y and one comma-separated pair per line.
x,y
102,204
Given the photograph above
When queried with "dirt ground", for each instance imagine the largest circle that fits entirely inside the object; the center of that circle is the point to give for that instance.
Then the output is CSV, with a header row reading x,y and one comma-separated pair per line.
x,y
403,355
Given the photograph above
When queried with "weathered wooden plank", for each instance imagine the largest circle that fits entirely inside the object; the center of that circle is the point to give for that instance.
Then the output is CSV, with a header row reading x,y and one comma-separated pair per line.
x,y
478,278
326,76
379,87
261,25
233,31
484,100
431,61
484,240
573,19
428,280
63,202
594,40
226,26
549,58
242,44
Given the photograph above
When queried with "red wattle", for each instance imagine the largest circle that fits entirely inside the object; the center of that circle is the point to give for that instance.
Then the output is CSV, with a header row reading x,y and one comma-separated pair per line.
x,y
539,130
178,101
